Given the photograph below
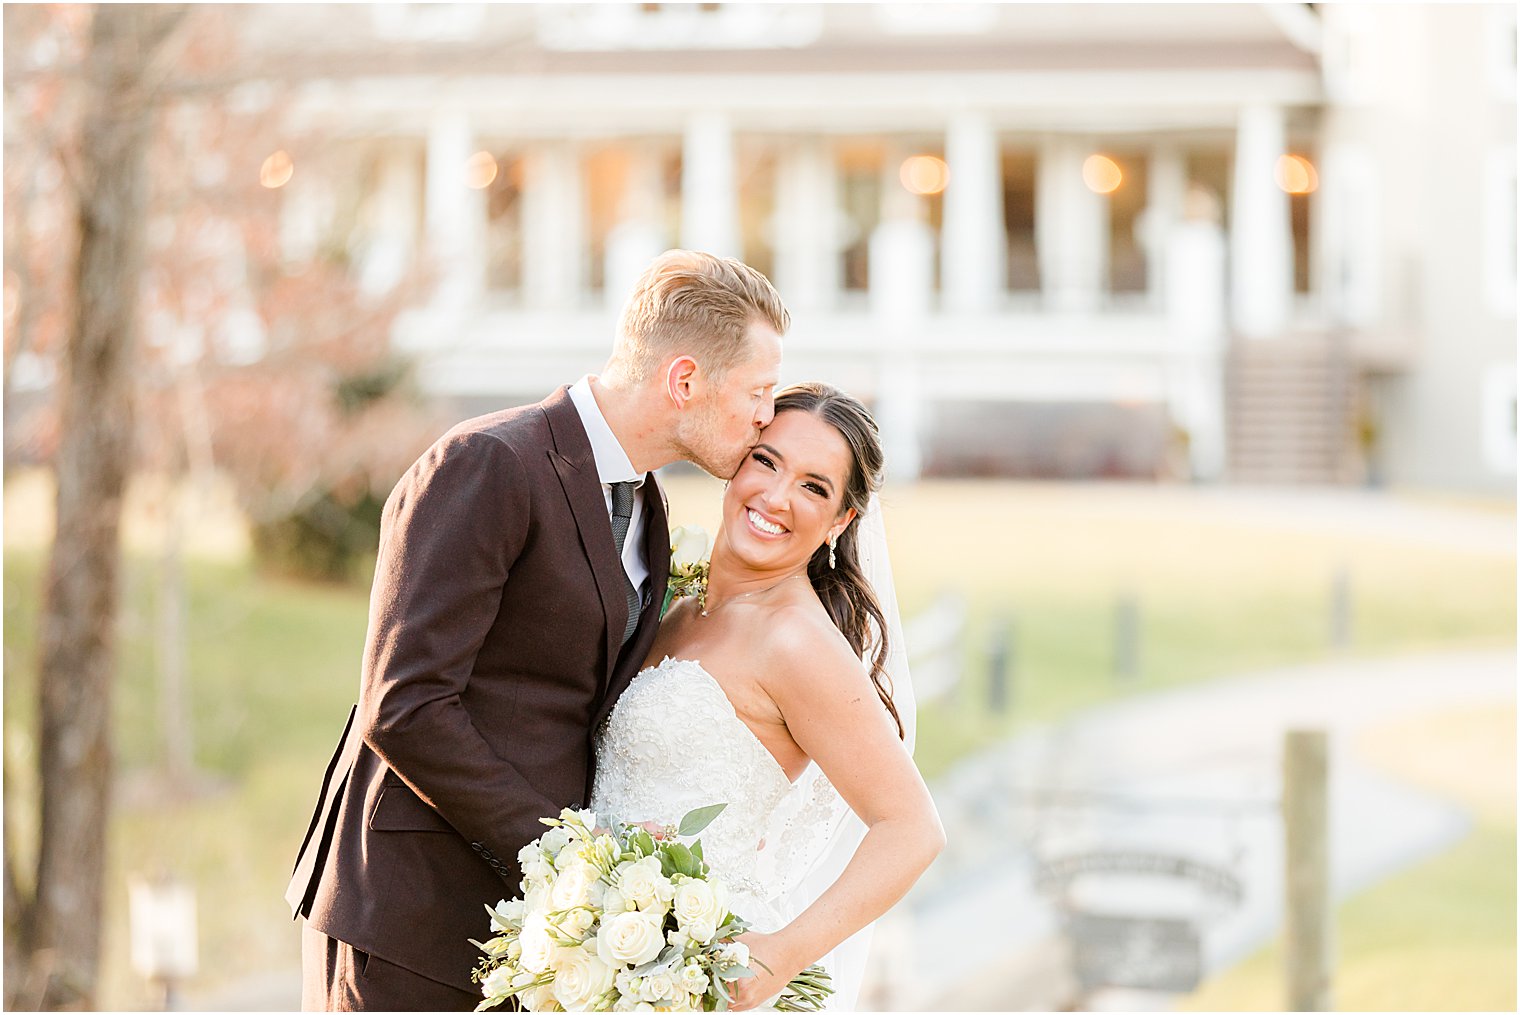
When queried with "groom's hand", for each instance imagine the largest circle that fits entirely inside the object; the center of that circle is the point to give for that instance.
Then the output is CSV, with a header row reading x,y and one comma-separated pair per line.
x,y
773,965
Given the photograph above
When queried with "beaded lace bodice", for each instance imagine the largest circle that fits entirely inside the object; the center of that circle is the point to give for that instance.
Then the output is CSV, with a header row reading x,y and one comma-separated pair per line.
x,y
674,743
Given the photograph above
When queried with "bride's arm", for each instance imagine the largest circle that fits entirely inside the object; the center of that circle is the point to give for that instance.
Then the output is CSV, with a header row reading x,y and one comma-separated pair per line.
x,y
832,710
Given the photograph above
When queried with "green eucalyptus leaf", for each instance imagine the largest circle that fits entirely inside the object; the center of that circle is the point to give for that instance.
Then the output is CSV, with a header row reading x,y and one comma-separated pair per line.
x,y
700,818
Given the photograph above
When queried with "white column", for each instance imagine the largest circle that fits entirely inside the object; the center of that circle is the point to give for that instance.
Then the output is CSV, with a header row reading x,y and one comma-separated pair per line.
x,y
709,193
1165,193
639,236
900,297
1195,310
1071,229
554,227
456,215
1261,236
974,271
807,226
901,286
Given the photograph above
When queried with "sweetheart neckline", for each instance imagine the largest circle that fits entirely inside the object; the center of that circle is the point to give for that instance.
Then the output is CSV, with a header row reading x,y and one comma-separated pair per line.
x,y
697,663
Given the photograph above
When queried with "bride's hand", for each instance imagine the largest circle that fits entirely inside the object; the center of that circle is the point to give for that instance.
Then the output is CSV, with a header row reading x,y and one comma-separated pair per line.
x,y
766,951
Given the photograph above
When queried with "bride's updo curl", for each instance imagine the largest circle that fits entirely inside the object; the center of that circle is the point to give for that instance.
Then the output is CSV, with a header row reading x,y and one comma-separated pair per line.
x,y
844,590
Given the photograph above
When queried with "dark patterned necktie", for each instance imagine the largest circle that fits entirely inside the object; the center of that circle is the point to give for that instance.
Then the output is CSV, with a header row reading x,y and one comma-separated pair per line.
x,y
622,515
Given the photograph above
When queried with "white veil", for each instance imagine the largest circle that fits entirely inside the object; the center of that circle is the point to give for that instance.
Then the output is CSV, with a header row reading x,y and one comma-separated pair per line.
x,y
830,830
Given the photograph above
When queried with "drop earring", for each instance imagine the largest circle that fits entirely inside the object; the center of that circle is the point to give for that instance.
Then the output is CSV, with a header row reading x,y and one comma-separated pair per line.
x,y
833,561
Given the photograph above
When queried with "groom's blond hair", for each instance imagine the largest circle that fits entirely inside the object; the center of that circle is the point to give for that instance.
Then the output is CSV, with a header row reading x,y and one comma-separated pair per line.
x,y
698,304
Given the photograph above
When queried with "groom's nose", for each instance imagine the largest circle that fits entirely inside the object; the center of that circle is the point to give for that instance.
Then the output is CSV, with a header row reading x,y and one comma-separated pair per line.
x,y
765,413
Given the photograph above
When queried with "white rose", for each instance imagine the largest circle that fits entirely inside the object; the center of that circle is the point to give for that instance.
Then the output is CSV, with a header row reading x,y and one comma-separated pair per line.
x,y
659,986
576,923
736,952
679,938
498,981
537,898
539,999
573,886
697,901
613,902
688,545
701,931
693,980
632,938
642,884
580,977
512,912
554,840
537,946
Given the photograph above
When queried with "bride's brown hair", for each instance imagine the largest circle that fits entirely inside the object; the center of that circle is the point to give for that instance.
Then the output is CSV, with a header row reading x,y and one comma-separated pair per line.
x,y
844,590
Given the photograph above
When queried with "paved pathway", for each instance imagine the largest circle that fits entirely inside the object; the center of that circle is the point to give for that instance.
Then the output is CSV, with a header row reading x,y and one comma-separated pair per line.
x,y
1197,770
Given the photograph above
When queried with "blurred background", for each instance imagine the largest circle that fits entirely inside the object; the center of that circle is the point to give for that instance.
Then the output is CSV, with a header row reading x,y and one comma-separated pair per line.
x,y
1190,328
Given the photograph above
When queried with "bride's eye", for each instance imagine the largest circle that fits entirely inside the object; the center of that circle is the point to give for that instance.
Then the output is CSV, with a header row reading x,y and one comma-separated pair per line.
x,y
815,488
757,456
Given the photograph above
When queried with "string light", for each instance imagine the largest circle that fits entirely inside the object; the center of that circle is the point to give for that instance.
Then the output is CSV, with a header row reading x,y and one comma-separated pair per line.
x,y
277,170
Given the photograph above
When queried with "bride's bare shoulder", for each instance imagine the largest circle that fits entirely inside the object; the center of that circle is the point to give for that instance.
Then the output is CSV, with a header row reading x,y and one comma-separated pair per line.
x,y
801,642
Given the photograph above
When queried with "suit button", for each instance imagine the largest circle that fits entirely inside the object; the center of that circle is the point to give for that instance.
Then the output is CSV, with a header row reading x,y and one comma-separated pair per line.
x,y
477,847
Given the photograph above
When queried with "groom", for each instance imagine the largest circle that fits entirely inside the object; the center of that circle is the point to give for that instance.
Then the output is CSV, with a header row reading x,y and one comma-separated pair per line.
x,y
523,561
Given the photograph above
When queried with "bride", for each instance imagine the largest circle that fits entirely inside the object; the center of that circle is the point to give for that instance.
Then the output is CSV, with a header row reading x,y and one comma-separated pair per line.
x,y
755,696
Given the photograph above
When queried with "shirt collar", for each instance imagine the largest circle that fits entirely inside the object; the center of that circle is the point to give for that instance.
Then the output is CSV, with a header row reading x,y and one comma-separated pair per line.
x,y
612,464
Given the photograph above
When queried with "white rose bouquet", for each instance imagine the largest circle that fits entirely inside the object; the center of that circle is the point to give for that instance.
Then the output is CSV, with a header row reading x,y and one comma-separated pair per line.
x,y
623,920
689,548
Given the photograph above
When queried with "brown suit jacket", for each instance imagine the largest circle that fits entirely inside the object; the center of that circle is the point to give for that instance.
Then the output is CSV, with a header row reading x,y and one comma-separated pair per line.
x,y
492,656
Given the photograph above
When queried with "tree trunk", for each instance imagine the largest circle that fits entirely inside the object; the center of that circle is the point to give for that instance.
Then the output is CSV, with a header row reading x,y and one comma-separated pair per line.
x,y
78,658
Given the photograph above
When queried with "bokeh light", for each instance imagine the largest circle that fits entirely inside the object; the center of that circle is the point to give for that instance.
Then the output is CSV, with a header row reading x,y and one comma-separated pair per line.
x,y
924,174
277,170
1296,174
1101,174
480,170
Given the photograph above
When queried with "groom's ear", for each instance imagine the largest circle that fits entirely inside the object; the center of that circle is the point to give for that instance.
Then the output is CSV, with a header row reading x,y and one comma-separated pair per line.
x,y
681,380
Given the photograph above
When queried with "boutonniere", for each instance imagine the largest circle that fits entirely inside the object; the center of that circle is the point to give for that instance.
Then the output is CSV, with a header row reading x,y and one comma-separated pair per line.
x,y
689,547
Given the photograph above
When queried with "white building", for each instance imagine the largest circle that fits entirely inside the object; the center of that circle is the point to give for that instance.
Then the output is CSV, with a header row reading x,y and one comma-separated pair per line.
x,y
1040,239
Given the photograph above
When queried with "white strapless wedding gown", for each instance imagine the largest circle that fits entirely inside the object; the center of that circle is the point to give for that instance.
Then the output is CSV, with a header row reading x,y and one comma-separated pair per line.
x,y
674,743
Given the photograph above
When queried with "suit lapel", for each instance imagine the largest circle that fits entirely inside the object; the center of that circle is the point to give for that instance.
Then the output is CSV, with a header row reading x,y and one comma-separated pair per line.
x,y
576,468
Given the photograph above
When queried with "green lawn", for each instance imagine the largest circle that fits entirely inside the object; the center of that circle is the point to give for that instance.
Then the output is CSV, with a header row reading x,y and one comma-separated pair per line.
x,y
275,664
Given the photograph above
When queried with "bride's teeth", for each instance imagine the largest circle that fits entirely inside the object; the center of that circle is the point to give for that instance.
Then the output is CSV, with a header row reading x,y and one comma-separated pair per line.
x,y
765,526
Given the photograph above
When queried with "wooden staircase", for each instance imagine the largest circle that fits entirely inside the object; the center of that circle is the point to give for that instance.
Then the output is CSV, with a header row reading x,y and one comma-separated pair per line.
x,y
1290,411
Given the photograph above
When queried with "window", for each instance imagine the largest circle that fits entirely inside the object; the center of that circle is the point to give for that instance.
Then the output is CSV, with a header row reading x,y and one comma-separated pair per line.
x,y
504,225
1501,39
756,165
1127,269
860,171
1499,446
1499,264
1020,169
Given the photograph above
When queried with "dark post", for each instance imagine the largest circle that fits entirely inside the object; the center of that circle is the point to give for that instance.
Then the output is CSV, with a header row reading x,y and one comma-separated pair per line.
x,y
1340,608
998,659
1126,637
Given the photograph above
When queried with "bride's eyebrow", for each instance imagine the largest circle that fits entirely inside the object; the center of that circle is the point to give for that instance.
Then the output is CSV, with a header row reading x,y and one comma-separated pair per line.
x,y
825,480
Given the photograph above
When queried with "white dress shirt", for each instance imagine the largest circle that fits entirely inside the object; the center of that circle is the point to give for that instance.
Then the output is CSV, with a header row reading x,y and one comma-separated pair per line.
x,y
613,466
